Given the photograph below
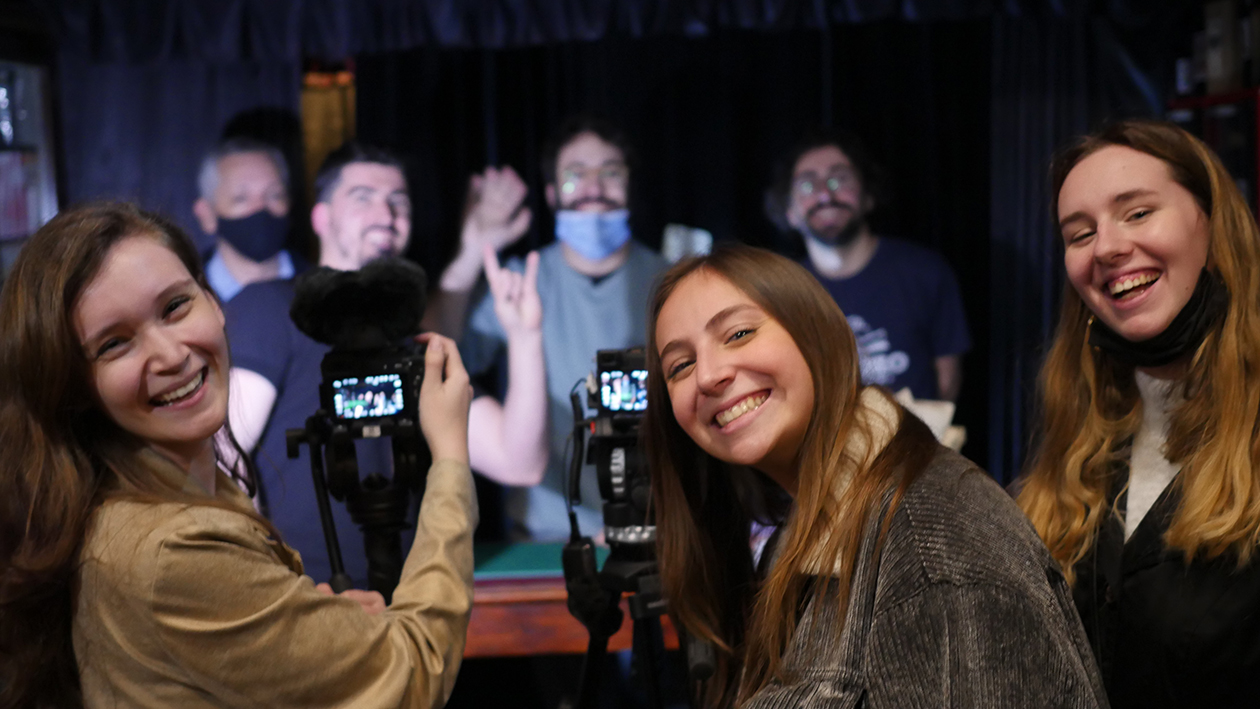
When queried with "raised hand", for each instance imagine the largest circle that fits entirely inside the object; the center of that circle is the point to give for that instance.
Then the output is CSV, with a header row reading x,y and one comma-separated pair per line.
x,y
516,300
496,214
371,601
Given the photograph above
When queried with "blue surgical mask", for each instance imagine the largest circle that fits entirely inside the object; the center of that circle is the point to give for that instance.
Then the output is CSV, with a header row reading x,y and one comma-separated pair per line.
x,y
594,235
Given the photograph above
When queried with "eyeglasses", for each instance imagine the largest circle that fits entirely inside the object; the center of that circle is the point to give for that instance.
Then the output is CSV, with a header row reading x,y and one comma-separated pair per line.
x,y
609,175
837,180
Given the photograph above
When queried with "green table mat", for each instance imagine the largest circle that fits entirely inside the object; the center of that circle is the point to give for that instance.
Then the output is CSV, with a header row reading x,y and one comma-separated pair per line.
x,y
522,560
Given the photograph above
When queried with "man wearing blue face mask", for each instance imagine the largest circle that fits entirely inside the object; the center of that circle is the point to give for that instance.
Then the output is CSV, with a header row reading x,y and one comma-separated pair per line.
x,y
244,205
593,282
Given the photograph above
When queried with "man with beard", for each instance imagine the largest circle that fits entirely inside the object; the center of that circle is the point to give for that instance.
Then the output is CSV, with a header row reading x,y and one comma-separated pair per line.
x,y
244,205
362,213
593,282
901,299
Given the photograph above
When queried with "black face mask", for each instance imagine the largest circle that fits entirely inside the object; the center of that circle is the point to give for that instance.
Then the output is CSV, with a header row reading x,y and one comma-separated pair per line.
x,y
258,237
1207,305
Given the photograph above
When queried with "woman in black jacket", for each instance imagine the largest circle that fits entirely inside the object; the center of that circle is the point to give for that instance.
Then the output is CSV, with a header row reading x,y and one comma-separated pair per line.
x,y
1146,483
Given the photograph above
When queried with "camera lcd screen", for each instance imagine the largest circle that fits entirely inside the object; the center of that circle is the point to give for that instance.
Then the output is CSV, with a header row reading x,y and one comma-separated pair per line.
x,y
623,390
372,396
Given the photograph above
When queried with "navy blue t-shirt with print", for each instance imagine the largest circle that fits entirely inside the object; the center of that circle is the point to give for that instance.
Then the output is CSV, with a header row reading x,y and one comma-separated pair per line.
x,y
905,311
264,340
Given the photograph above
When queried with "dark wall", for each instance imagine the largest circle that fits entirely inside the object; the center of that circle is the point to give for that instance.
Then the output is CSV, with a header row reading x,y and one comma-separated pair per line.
x,y
708,117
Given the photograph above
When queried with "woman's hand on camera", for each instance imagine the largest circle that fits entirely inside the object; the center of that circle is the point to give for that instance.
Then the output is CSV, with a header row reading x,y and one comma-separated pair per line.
x,y
444,398
516,301
371,601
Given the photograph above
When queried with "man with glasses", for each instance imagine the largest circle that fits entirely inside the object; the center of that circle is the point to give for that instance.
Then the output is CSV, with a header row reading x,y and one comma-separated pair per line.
x,y
593,282
901,299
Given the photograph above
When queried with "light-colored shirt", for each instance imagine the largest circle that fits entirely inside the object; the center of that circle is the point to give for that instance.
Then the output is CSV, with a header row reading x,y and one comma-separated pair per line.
x,y
195,606
581,316
226,285
1149,471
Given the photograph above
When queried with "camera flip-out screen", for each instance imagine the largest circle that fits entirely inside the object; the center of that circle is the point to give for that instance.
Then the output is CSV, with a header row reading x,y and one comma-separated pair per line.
x,y
621,390
371,396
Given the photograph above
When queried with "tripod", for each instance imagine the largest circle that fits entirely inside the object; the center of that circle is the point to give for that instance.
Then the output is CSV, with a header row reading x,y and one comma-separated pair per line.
x,y
595,600
378,504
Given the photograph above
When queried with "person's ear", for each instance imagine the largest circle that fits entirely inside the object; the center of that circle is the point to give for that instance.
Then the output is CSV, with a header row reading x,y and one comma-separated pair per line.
x,y
320,219
206,218
550,193
794,217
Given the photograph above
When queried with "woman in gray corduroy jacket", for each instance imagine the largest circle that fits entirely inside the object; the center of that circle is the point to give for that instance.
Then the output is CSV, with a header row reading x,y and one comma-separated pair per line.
x,y
902,574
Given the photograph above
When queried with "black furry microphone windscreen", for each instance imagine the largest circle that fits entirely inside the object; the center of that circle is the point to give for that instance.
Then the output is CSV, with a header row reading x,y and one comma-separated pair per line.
x,y
374,306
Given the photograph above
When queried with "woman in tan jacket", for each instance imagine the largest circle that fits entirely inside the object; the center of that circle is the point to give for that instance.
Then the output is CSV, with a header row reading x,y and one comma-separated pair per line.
x,y
133,570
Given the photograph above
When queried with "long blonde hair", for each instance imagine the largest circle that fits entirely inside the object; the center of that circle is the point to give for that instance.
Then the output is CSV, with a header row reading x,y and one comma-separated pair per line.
x,y
703,512
1091,408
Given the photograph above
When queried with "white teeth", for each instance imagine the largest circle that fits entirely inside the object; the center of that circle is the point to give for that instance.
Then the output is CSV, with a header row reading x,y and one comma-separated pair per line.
x,y
183,391
1127,284
740,409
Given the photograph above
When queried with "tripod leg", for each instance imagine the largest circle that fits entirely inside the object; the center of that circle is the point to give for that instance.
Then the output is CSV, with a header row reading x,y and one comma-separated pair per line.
x,y
649,650
596,651
340,581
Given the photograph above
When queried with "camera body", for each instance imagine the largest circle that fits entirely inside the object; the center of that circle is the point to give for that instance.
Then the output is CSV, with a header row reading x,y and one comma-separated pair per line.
x,y
621,400
372,393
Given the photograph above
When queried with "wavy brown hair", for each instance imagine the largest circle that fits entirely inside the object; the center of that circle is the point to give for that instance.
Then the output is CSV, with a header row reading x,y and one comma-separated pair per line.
x,y
63,457
703,511
1091,408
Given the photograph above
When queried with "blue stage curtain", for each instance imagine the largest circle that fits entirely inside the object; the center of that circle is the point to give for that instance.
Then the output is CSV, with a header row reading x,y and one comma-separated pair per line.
x,y
138,132
271,30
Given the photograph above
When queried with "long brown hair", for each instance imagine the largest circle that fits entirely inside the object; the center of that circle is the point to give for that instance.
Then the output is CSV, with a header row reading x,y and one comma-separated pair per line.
x,y
703,520
1091,408
62,455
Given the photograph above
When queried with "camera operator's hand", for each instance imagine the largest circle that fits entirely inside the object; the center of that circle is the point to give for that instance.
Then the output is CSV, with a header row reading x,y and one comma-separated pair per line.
x,y
371,601
444,398
495,216
516,300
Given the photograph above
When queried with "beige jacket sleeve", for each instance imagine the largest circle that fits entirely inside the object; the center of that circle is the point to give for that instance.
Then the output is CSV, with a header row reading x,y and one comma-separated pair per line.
x,y
252,633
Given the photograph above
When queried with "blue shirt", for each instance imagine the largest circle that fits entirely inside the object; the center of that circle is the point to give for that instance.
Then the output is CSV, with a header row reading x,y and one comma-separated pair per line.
x,y
226,286
905,311
265,340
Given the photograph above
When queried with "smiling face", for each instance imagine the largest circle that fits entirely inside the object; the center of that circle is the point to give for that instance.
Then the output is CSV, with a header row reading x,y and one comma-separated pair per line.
x,y
1134,239
155,348
367,216
738,384
827,199
591,176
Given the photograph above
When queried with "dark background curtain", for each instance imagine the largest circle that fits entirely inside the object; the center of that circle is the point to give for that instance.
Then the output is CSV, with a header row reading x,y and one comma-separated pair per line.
x,y
708,117
963,100
138,132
